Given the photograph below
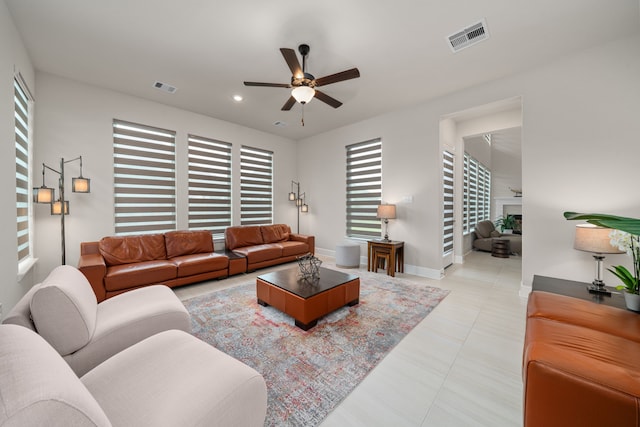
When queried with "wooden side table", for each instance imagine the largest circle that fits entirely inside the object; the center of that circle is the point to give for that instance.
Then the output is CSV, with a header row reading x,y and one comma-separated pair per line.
x,y
500,248
395,249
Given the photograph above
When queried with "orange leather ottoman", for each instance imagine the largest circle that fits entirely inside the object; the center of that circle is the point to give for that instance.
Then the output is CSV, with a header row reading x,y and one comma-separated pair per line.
x,y
581,363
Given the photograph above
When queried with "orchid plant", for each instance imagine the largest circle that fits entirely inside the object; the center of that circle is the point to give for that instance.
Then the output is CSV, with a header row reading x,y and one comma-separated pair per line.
x,y
631,245
626,237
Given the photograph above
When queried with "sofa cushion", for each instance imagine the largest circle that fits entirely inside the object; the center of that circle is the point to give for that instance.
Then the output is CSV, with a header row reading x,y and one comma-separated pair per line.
x,y
241,236
180,243
118,250
175,379
292,248
579,312
484,229
38,388
190,265
275,233
120,277
64,309
260,253
571,372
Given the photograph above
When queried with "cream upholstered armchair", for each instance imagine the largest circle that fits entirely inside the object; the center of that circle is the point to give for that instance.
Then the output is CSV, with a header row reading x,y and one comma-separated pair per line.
x,y
485,231
63,309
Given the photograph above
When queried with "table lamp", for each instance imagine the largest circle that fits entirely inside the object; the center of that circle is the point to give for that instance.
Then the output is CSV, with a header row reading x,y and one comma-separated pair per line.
x,y
594,239
386,212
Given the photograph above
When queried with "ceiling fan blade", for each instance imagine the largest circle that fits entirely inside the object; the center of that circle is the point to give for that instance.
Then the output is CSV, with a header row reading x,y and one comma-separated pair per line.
x,y
338,77
267,84
290,103
327,99
292,62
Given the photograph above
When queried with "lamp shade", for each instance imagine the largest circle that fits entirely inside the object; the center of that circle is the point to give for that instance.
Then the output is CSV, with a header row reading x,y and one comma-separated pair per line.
x,y
591,238
303,94
81,185
56,207
43,194
386,212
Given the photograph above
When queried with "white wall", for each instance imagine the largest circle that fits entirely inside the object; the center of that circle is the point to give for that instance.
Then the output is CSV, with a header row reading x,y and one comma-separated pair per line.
x,y
580,152
76,119
13,59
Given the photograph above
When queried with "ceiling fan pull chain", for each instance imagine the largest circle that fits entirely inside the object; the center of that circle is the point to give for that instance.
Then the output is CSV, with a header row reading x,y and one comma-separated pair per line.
x,y
302,121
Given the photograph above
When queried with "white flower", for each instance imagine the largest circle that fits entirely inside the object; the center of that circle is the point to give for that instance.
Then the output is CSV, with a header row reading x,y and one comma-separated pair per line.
x,y
625,241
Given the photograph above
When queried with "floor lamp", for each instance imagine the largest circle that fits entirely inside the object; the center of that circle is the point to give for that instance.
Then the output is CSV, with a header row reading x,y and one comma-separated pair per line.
x,y
60,207
301,206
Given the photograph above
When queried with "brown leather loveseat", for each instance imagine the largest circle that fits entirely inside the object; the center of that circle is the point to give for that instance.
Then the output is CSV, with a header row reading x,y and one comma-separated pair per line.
x,y
266,245
581,363
117,264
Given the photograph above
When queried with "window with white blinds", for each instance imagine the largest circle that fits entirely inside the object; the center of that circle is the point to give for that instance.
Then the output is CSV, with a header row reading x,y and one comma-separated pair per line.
x,y
23,205
144,173
477,193
209,185
447,191
256,186
364,188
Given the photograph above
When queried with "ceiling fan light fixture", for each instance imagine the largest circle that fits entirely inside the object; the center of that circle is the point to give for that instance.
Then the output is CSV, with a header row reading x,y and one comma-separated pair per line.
x,y
303,94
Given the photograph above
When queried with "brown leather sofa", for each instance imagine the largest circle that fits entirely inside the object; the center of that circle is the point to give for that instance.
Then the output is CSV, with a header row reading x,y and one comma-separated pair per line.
x,y
117,264
266,245
581,363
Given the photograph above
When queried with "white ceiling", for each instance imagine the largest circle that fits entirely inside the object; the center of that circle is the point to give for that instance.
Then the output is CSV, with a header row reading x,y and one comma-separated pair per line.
x,y
207,49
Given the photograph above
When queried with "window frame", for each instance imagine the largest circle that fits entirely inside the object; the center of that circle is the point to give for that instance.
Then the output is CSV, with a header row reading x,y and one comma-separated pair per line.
x,y
210,196
476,193
23,145
363,190
140,196
256,186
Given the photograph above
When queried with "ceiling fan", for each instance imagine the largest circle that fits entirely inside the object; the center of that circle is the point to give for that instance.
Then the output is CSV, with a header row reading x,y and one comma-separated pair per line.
x,y
304,84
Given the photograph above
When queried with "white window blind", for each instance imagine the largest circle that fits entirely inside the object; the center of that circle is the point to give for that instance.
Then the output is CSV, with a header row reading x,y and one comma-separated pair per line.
x,y
447,183
477,193
144,171
256,186
23,205
364,188
209,184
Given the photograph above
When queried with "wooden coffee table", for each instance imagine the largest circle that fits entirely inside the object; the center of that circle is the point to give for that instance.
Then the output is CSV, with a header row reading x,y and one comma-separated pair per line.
x,y
307,300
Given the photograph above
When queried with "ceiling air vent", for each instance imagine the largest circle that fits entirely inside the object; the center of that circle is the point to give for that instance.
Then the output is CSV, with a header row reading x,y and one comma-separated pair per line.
x,y
469,36
164,87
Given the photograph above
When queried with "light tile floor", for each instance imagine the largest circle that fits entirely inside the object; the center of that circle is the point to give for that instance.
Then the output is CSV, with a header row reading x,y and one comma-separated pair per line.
x,y
461,366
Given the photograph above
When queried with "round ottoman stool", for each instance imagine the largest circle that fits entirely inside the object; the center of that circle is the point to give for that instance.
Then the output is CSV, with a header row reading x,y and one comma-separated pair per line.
x,y
348,255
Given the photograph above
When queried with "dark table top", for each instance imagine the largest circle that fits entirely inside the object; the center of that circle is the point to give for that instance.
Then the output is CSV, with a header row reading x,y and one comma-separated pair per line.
x,y
577,290
290,280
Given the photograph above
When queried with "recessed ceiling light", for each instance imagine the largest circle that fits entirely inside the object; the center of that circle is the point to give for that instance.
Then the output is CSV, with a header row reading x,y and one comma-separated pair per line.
x,y
237,98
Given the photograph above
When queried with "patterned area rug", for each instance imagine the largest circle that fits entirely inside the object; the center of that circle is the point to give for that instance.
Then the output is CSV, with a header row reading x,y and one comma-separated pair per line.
x,y
309,373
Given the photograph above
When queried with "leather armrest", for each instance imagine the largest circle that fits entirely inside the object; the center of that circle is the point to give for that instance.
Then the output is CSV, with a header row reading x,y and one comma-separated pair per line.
x,y
309,240
94,268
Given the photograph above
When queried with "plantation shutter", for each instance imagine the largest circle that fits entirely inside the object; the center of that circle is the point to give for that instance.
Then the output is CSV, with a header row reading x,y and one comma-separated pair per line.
x,y
447,182
364,188
144,170
256,186
21,120
209,185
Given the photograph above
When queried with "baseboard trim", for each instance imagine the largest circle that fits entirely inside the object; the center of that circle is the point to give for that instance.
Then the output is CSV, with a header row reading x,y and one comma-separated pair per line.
x,y
429,273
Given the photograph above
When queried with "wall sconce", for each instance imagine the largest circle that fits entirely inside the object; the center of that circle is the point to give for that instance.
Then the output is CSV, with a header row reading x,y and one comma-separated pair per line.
x,y
295,196
386,212
45,194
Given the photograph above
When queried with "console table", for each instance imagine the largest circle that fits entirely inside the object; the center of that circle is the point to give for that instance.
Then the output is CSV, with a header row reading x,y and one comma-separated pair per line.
x,y
577,290
395,249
